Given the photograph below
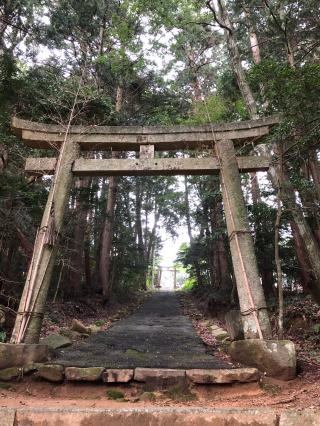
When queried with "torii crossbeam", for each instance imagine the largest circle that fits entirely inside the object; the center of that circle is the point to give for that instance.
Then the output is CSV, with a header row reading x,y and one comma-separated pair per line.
x,y
218,139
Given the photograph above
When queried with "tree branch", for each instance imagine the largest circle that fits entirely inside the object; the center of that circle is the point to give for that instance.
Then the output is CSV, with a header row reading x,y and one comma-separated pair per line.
x,y
221,24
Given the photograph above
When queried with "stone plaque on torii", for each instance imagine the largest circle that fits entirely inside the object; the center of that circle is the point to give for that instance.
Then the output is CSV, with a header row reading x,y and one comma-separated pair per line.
x,y
219,139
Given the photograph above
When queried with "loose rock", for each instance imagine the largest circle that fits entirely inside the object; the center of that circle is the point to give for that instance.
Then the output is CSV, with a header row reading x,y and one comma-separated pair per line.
x,y
147,396
220,334
94,329
77,325
117,375
11,374
56,341
89,374
32,367
276,358
51,372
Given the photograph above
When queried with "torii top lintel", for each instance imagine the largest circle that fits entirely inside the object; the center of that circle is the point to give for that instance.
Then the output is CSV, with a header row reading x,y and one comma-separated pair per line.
x,y
130,138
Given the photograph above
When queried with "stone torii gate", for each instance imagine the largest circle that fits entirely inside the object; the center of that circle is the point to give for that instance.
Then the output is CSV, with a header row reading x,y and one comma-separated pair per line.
x,y
160,269
70,143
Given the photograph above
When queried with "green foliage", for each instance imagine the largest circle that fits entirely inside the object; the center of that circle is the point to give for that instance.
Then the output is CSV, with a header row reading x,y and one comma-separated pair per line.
x,y
115,394
316,328
3,336
189,284
181,393
294,91
211,110
101,43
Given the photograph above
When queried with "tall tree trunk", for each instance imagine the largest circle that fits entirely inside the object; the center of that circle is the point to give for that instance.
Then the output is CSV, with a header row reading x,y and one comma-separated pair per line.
x,y
3,158
222,17
107,231
139,231
188,220
74,286
305,270
309,242
106,239
225,275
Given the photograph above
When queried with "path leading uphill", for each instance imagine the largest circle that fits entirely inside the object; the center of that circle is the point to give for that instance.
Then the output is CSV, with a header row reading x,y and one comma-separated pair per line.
x,y
158,335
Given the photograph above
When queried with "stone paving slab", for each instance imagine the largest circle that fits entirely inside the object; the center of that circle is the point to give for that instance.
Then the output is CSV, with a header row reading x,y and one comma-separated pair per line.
x,y
158,335
140,416
156,416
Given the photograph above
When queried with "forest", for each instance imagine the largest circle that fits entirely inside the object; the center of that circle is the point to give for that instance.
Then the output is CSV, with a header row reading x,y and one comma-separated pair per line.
x,y
163,62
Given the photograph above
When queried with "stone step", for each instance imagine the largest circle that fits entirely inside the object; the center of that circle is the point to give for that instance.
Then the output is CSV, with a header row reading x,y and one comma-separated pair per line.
x,y
156,416
58,373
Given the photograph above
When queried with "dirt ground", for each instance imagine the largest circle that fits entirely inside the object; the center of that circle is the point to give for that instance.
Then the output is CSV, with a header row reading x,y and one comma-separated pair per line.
x,y
303,392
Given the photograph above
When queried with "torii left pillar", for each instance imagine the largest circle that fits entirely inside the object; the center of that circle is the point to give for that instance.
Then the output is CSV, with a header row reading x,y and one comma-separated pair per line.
x,y
32,304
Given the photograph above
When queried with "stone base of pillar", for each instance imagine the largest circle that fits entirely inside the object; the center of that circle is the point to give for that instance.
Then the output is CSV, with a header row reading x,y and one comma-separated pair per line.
x,y
19,355
275,358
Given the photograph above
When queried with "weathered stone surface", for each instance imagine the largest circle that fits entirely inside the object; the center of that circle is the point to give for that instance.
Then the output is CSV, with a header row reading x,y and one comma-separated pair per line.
x,y
276,358
7,417
51,372
56,341
94,329
298,418
17,355
219,334
146,416
117,375
30,368
89,374
241,375
159,375
158,335
77,325
147,396
234,324
11,373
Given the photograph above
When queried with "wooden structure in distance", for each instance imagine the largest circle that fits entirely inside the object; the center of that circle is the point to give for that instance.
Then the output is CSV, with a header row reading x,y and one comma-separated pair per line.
x,y
219,139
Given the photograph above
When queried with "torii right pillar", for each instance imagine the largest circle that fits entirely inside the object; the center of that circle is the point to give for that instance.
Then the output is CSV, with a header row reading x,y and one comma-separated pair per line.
x,y
253,308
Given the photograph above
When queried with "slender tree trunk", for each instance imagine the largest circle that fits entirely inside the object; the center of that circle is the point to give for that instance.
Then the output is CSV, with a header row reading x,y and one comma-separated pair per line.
x,y
232,44
3,156
106,239
87,265
139,231
310,244
314,168
225,275
188,220
74,287
107,231
305,270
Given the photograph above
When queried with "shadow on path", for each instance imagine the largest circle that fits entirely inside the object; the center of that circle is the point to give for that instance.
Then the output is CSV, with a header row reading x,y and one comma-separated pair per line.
x,y
158,335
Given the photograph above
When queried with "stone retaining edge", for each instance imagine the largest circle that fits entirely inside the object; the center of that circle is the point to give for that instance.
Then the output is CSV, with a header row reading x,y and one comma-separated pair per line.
x,y
156,416
55,372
